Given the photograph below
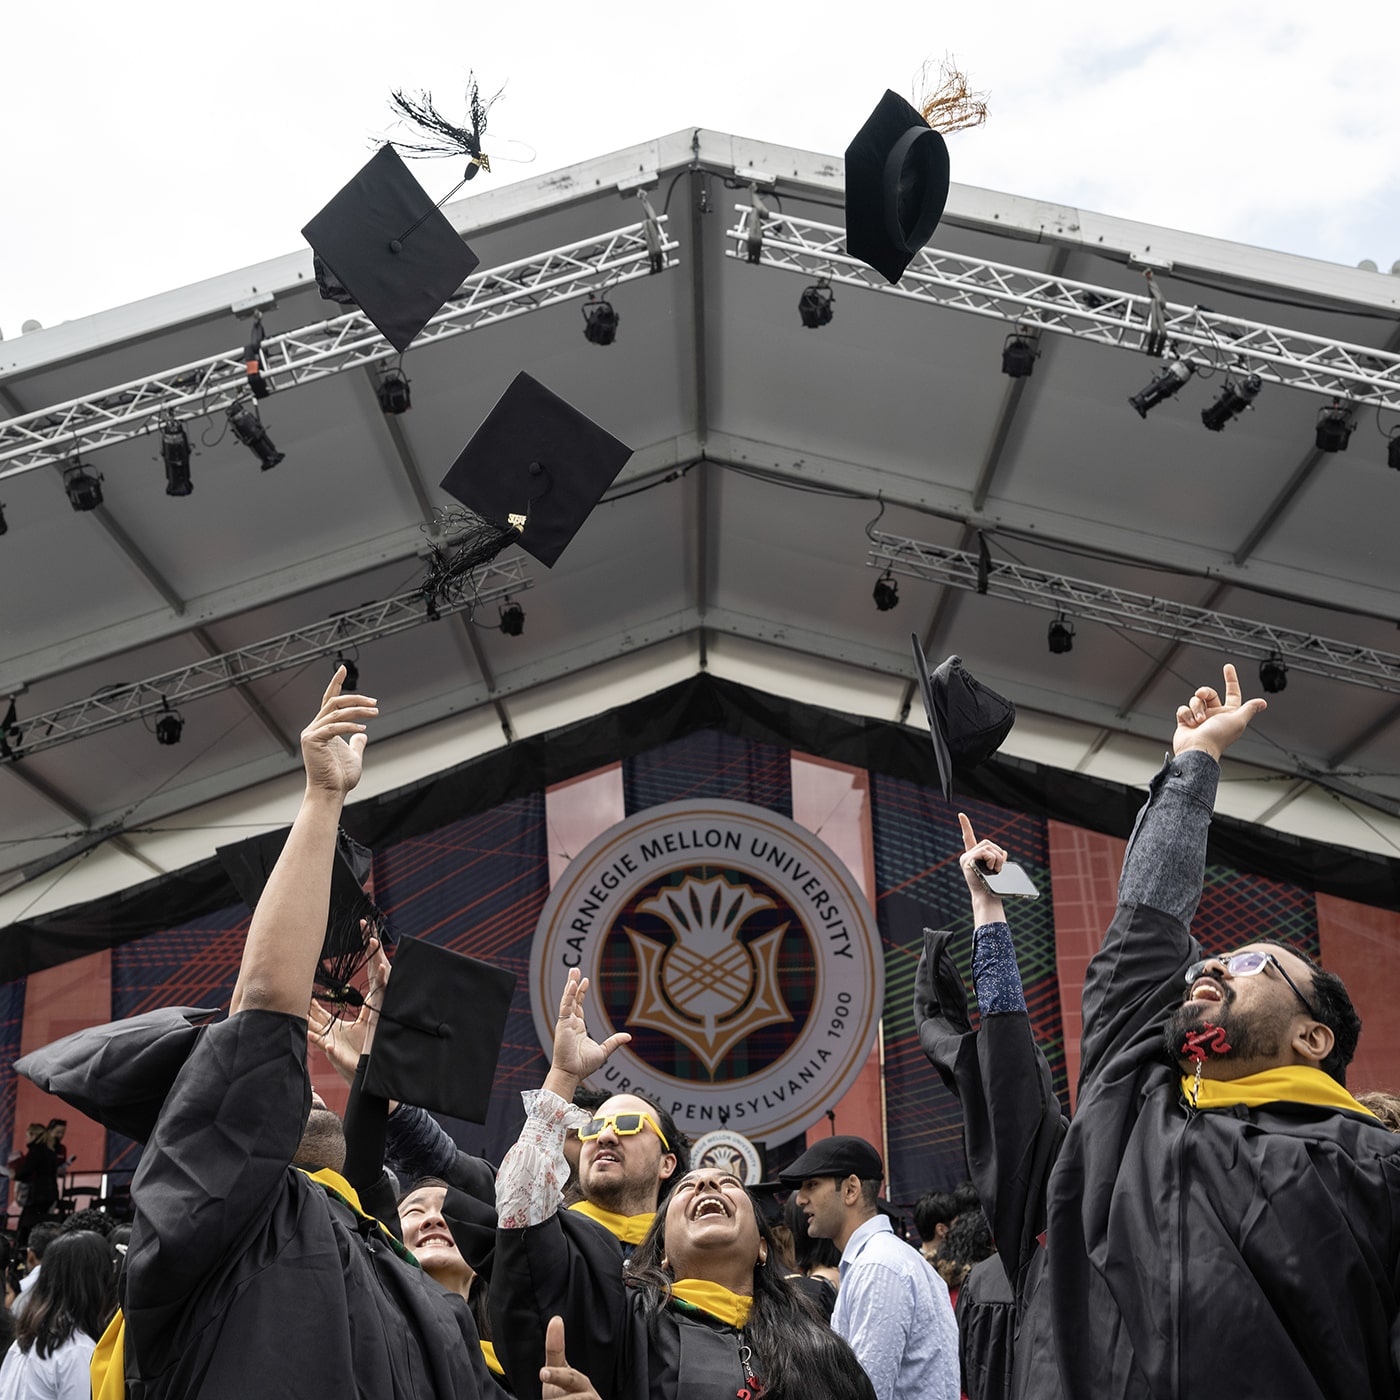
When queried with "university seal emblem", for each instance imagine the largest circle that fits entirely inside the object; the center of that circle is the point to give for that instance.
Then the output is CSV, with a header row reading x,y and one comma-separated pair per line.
x,y
734,948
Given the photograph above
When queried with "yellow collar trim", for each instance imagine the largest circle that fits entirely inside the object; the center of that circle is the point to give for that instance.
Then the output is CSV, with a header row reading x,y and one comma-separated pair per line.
x,y
1289,1084
713,1298
630,1229
338,1184
492,1365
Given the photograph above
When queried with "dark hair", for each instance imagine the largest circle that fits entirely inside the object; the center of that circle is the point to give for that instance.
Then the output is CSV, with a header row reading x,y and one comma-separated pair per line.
x,y
90,1219
421,1184
42,1236
935,1209
76,1291
795,1354
1334,1010
967,1198
591,1100
810,1251
968,1242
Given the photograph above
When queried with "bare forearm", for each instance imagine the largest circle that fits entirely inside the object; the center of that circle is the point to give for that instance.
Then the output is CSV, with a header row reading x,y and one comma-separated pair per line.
x,y
289,925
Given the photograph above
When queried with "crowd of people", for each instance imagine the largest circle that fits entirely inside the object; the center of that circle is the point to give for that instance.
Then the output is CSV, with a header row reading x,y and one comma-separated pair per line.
x,y
1150,1246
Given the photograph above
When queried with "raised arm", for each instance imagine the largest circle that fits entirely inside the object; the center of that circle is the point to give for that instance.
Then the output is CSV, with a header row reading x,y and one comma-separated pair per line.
x,y
289,924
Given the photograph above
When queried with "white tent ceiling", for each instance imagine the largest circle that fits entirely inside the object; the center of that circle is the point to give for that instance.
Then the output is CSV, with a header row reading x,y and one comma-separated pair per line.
x,y
734,539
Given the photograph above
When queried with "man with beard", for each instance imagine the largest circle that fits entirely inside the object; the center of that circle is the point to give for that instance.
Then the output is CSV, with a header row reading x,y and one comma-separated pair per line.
x,y
1221,1213
251,1265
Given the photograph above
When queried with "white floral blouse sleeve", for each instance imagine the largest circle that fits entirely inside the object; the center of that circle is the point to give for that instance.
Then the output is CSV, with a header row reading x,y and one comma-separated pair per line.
x,y
531,1179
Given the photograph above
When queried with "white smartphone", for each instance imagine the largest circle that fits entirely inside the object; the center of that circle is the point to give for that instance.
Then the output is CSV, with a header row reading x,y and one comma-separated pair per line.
x,y
1010,882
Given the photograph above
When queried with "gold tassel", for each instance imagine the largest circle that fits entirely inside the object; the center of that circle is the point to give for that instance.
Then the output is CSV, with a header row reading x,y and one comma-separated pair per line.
x,y
950,105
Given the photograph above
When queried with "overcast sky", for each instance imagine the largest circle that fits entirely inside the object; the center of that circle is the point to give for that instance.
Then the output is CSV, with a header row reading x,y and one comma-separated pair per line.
x,y
154,144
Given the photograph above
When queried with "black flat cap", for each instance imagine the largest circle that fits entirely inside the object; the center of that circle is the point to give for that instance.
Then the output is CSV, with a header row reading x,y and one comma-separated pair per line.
x,y
249,866
440,1031
896,186
392,252
835,1156
968,720
536,464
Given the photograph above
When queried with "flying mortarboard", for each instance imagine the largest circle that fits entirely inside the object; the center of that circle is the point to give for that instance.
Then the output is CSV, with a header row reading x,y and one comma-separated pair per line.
x,y
389,249
440,1031
249,865
536,466
968,720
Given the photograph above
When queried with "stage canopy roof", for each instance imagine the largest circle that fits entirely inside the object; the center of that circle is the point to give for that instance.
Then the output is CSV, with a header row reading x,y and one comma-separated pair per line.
x,y
779,470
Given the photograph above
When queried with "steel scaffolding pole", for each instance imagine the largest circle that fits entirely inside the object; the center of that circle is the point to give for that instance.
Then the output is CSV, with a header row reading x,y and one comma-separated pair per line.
x,y
1042,302
1137,612
23,738
98,420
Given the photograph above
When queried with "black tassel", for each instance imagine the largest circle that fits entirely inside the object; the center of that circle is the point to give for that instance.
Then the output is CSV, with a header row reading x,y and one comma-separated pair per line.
x,y
471,542
440,137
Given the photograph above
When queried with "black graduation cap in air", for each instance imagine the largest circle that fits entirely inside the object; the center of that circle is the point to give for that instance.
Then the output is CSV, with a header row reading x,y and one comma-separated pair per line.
x,y
537,466
440,1031
389,249
896,186
968,720
248,865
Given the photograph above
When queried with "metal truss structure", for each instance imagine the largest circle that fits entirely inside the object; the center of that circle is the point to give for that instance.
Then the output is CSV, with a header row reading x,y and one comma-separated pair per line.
x,y
22,738
312,352
1041,302
1136,612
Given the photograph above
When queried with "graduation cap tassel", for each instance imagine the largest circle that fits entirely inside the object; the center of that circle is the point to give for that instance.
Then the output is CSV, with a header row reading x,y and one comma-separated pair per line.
x,y
472,541
951,105
440,137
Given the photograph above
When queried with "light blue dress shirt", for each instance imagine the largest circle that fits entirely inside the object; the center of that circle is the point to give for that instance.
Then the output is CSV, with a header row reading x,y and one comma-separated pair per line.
x,y
894,1311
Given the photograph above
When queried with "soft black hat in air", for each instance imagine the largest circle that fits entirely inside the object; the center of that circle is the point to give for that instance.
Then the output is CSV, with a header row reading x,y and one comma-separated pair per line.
x,y
391,251
896,186
968,720
536,465
440,1031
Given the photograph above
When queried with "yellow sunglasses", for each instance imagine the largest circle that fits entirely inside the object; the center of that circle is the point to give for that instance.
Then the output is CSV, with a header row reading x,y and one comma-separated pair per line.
x,y
624,1125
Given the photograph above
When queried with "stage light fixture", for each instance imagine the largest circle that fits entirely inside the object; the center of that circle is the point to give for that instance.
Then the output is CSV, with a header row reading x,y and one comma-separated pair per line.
x,y
815,303
1335,425
351,684
170,724
393,393
175,452
1392,454
1061,635
1163,386
512,619
886,592
1018,356
249,430
4,524
84,488
1234,398
1273,674
599,321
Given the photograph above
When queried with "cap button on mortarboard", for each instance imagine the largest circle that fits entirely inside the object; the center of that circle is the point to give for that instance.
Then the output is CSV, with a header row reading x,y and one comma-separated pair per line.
x,y
395,246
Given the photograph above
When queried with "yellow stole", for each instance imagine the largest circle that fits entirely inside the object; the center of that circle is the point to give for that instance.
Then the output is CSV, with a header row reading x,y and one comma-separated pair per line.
x,y
492,1365
713,1298
1289,1084
630,1229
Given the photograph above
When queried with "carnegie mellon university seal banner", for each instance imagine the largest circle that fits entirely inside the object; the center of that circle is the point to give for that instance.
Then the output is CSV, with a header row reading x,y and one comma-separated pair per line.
x,y
737,951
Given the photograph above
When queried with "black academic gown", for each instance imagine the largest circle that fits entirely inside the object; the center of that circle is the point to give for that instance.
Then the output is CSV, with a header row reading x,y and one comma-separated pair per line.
x,y
246,1277
1238,1251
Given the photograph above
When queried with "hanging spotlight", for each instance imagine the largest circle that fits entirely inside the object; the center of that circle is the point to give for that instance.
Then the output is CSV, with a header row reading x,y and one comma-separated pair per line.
x,y
814,305
1392,457
599,321
393,393
1061,635
170,724
886,593
351,684
84,488
1234,399
175,450
1273,674
512,619
248,429
1018,355
1163,386
4,524
1335,425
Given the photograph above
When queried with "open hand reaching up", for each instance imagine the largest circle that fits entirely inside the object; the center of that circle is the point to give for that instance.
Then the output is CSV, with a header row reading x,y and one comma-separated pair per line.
x,y
1208,723
333,744
576,1053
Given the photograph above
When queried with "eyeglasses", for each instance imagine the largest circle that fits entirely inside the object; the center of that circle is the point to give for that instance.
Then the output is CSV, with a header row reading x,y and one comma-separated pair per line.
x,y
624,1125
1245,965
